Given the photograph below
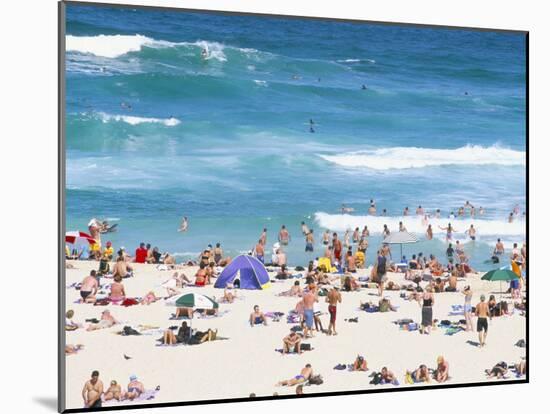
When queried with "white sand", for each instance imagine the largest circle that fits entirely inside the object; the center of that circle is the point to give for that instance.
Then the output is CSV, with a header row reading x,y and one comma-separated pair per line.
x,y
247,362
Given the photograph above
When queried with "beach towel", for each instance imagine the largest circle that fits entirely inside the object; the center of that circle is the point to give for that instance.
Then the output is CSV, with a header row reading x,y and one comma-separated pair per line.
x,y
280,350
130,302
145,396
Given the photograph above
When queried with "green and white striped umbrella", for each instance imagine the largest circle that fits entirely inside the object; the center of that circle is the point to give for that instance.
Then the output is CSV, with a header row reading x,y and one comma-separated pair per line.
x,y
196,301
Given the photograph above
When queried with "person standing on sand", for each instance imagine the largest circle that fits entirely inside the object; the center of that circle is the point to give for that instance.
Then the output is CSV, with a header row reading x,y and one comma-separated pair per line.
x,y
284,236
259,251
468,308
91,393
482,313
333,298
427,311
309,299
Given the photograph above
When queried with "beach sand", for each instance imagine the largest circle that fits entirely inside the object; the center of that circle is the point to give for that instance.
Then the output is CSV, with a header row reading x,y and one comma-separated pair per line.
x,y
247,362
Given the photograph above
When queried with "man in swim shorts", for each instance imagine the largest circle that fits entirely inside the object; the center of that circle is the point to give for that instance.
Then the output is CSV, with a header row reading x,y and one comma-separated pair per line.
x,y
89,288
309,241
91,393
257,317
337,246
284,236
333,298
482,313
309,299
304,375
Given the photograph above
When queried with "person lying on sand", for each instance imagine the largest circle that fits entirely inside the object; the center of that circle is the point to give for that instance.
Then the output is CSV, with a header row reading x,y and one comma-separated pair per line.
x,y
304,375
89,288
442,371
295,290
498,371
384,305
91,393
350,284
283,273
107,320
182,337
135,388
71,325
114,392
388,377
149,298
184,311
118,293
257,317
360,364
292,342
229,293
421,374
73,349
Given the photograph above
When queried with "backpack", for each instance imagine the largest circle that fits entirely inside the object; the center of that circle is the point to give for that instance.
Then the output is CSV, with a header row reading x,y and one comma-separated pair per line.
x,y
316,379
377,378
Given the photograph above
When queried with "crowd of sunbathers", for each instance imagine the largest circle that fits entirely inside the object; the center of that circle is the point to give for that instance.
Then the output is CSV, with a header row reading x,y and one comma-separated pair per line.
x,y
325,276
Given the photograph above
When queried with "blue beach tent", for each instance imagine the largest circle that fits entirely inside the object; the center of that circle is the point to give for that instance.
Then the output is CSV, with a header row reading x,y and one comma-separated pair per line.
x,y
250,271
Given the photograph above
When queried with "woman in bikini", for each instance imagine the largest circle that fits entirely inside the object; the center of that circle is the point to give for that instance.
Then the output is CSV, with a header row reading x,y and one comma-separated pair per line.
x,y
118,293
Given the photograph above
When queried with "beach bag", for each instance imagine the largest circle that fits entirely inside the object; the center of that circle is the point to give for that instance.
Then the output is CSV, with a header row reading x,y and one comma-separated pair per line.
x,y
412,326
316,379
408,378
128,330
377,379
305,347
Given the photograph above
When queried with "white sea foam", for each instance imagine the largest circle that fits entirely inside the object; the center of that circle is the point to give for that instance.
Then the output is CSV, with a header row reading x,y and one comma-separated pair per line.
x,y
260,82
111,46
413,157
355,60
136,120
414,224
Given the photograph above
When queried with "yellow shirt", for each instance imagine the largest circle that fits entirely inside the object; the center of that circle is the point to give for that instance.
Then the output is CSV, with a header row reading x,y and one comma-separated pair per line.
x,y
108,251
516,269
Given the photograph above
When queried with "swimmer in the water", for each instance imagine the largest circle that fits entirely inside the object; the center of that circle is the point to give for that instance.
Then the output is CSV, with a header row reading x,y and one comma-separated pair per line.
x,y
184,224
311,129
311,121
346,209
363,87
204,53
126,105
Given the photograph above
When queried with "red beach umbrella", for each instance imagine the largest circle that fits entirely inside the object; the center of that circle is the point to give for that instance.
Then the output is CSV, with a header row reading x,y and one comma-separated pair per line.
x,y
78,237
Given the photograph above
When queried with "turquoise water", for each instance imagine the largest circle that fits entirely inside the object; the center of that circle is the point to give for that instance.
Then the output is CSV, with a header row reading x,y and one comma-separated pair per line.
x,y
156,132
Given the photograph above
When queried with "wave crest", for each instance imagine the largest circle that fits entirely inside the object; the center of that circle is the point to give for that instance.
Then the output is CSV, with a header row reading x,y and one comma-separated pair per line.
x,y
343,222
136,120
413,157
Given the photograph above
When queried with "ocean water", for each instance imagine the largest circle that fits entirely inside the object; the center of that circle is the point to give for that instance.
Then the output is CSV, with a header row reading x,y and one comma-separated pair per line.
x,y
155,132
